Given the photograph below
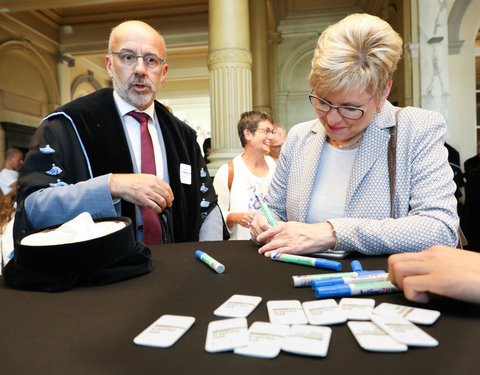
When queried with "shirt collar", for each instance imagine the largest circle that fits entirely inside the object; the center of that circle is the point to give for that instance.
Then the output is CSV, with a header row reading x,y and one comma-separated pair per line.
x,y
125,107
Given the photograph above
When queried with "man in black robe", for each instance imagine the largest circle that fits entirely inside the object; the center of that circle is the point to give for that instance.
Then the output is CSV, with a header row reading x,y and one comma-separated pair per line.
x,y
85,156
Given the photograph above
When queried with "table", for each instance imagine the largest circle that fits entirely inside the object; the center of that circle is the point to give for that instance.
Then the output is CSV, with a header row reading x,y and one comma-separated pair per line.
x,y
90,330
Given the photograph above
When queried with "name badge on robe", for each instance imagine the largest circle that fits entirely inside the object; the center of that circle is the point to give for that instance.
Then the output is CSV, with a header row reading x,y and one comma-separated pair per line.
x,y
185,174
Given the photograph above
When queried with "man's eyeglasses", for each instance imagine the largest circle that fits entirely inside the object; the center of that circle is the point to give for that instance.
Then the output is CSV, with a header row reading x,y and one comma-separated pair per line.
x,y
129,60
266,131
352,113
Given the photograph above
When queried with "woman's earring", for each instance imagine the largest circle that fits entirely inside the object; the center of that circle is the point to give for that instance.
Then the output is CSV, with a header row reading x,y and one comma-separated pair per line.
x,y
378,110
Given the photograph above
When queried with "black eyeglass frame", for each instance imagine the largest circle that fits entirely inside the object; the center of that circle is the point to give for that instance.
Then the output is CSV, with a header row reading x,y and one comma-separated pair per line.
x,y
122,53
339,109
265,131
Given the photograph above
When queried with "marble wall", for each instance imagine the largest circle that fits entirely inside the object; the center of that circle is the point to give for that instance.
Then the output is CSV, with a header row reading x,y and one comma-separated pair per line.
x,y
433,41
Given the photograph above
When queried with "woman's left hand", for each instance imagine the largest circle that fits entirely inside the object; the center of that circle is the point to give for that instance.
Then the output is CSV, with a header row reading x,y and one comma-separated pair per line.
x,y
296,238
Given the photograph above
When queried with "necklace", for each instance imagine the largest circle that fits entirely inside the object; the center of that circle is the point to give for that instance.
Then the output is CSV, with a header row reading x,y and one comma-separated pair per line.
x,y
345,146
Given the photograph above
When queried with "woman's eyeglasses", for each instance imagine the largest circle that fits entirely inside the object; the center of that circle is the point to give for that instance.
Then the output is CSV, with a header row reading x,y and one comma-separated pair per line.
x,y
350,112
266,131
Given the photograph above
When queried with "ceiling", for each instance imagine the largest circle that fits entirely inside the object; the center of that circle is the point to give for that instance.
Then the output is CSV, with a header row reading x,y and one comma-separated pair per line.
x,y
80,28
68,12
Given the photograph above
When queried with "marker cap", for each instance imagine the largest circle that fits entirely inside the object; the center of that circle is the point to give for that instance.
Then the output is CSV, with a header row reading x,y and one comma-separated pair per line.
x,y
356,266
327,282
199,254
341,290
328,264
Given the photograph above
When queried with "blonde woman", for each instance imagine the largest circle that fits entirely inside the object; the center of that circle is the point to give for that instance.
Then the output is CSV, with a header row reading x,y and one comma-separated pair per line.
x,y
331,188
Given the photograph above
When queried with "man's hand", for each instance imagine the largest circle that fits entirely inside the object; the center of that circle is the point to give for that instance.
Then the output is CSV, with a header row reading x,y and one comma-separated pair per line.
x,y
146,190
441,270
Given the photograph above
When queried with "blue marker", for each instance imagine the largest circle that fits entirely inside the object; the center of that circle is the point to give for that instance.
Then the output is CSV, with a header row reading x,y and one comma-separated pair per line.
x,y
356,266
307,261
266,211
361,278
306,280
209,261
345,290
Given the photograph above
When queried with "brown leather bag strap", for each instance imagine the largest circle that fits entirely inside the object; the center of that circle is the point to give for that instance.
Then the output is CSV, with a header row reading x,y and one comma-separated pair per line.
x,y
462,240
392,162
230,174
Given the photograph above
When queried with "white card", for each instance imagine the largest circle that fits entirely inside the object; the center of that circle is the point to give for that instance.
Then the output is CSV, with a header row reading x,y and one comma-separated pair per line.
x,y
374,339
165,331
264,340
185,174
307,340
286,312
357,308
404,331
238,306
324,312
413,314
226,334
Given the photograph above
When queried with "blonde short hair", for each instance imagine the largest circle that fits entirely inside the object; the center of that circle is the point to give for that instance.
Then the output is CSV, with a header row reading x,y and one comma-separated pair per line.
x,y
359,52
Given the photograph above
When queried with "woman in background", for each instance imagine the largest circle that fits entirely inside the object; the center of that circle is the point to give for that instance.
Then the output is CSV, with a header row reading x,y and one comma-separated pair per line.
x,y
7,214
250,173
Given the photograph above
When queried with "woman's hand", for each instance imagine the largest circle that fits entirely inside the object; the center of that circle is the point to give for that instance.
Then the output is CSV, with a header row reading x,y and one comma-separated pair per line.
x,y
259,225
296,238
241,218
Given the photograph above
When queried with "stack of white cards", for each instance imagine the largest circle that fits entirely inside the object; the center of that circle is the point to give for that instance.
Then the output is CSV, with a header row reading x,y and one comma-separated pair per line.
x,y
299,328
287,330
391,328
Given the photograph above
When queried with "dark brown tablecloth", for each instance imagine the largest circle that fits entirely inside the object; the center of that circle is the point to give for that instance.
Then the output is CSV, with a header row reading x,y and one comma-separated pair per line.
x,y
91,330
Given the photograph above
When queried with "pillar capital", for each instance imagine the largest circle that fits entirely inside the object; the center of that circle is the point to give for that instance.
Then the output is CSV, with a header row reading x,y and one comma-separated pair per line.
x,y
229,57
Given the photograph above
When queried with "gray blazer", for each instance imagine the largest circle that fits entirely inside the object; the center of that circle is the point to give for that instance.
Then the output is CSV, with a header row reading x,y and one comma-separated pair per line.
x,y
425,205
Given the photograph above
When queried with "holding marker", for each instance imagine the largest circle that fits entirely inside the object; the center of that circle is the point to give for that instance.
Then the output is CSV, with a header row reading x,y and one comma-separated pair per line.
x,y
208,260
307,261
266,211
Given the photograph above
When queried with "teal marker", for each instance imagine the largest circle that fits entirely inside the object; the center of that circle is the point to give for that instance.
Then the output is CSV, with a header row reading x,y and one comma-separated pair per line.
x,y
209,261
266,211
307,261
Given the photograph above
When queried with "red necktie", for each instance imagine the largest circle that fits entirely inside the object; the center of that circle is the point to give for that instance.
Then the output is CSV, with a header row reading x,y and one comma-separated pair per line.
x,y
152,228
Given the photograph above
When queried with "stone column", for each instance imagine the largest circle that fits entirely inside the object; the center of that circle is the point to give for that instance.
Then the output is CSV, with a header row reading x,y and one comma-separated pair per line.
x,y
230,64
260,54
433,53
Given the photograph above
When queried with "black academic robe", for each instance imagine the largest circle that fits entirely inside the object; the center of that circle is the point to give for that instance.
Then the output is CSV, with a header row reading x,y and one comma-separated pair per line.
x,y
471,217
93,143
